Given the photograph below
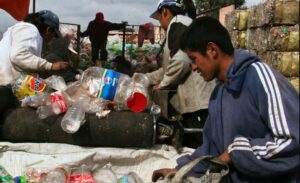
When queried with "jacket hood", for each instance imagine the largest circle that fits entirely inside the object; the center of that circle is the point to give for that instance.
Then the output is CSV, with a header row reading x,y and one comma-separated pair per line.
x,y
99,18
237,70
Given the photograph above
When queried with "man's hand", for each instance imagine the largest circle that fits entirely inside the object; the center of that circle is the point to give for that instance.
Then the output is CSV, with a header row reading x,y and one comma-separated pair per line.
x,y
60,66
155,88
225,157
162,173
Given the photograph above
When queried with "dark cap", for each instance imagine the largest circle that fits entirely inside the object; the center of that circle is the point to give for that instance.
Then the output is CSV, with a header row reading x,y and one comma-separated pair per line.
x,y
51,20
163,3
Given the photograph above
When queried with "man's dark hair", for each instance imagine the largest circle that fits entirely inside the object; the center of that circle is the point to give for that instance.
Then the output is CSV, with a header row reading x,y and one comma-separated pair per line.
x,y
204,30
39,22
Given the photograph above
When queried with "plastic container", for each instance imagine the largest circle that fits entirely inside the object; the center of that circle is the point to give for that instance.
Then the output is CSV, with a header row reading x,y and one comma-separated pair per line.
x,y
81,175
56,82
37,100
110,85
57,175
5,177
27,85
75,116
104,175
131,177
59,104
138,93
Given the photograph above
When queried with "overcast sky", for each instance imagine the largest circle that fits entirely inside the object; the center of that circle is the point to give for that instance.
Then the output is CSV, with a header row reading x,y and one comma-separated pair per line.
x,y
82,11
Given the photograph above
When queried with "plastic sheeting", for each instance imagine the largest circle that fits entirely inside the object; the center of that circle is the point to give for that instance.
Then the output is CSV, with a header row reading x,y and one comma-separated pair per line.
x,y
16,158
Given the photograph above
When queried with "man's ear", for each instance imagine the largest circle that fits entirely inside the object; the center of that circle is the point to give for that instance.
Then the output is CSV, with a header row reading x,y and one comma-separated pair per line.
x,y
212,50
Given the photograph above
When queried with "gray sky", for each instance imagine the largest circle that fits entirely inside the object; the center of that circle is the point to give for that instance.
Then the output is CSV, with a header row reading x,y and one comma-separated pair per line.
x,y
82,11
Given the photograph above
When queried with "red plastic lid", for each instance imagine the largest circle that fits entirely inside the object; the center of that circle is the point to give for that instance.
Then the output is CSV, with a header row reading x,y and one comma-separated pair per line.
x,y
137,102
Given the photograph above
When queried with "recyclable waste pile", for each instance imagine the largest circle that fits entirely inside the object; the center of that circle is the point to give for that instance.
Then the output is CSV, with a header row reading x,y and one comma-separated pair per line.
x,y
70,174
97,90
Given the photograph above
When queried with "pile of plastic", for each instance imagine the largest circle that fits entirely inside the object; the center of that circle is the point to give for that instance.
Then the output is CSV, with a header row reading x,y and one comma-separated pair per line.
x,y
82,174
97,90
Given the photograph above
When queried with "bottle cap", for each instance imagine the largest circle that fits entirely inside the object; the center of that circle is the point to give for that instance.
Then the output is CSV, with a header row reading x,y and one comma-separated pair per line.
x,y
137,102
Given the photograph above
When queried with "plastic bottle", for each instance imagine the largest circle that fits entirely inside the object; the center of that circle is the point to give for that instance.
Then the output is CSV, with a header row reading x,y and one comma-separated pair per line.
x,y
74,91
27,85
20,179
110,85
104,83
5,177
81,175
104,175
56,82
57,175
59,104
75,116
138,93
37,100
131,177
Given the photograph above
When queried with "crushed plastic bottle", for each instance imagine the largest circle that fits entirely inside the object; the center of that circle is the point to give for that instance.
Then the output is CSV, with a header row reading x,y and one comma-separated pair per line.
x,y
56,82
27,85
131,177
59,104
57,175
75,116
37,100
103,83
81,175
104,175
110,85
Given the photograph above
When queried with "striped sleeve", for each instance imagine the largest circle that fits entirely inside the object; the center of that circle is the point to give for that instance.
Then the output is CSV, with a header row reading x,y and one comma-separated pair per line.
x,y
278,151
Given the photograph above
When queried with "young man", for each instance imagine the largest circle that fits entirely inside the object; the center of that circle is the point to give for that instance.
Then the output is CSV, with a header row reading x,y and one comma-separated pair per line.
x,y
253,122
192,92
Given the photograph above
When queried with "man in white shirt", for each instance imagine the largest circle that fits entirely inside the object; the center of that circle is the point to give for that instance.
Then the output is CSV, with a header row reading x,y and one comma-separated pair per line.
x,y
20,52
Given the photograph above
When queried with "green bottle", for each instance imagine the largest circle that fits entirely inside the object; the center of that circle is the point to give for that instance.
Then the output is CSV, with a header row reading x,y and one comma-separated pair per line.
x,y
5,177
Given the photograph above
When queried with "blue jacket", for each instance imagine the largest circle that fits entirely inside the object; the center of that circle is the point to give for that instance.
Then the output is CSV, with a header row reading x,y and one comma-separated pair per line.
x,y
255,116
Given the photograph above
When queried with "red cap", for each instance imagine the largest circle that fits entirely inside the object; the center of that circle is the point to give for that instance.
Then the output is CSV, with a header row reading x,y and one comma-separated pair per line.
x,y
137,102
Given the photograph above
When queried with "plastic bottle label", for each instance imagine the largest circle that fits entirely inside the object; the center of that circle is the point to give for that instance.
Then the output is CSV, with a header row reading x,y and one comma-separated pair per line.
x,y
109,84
59,100
30,86
82,178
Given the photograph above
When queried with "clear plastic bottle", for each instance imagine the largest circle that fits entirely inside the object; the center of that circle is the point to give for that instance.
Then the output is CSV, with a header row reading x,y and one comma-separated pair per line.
x,y
58,104
56,82
57,175
137,93
81,174
111,85
104,175
104,83
37,100
75,116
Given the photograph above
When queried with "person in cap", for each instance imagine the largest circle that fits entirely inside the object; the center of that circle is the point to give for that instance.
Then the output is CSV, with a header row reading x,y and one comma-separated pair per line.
x,y
97,31
20,51
192,92
253,122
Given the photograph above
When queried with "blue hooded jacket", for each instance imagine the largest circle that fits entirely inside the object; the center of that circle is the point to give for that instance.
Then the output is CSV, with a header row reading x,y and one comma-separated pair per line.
x,y
255,116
